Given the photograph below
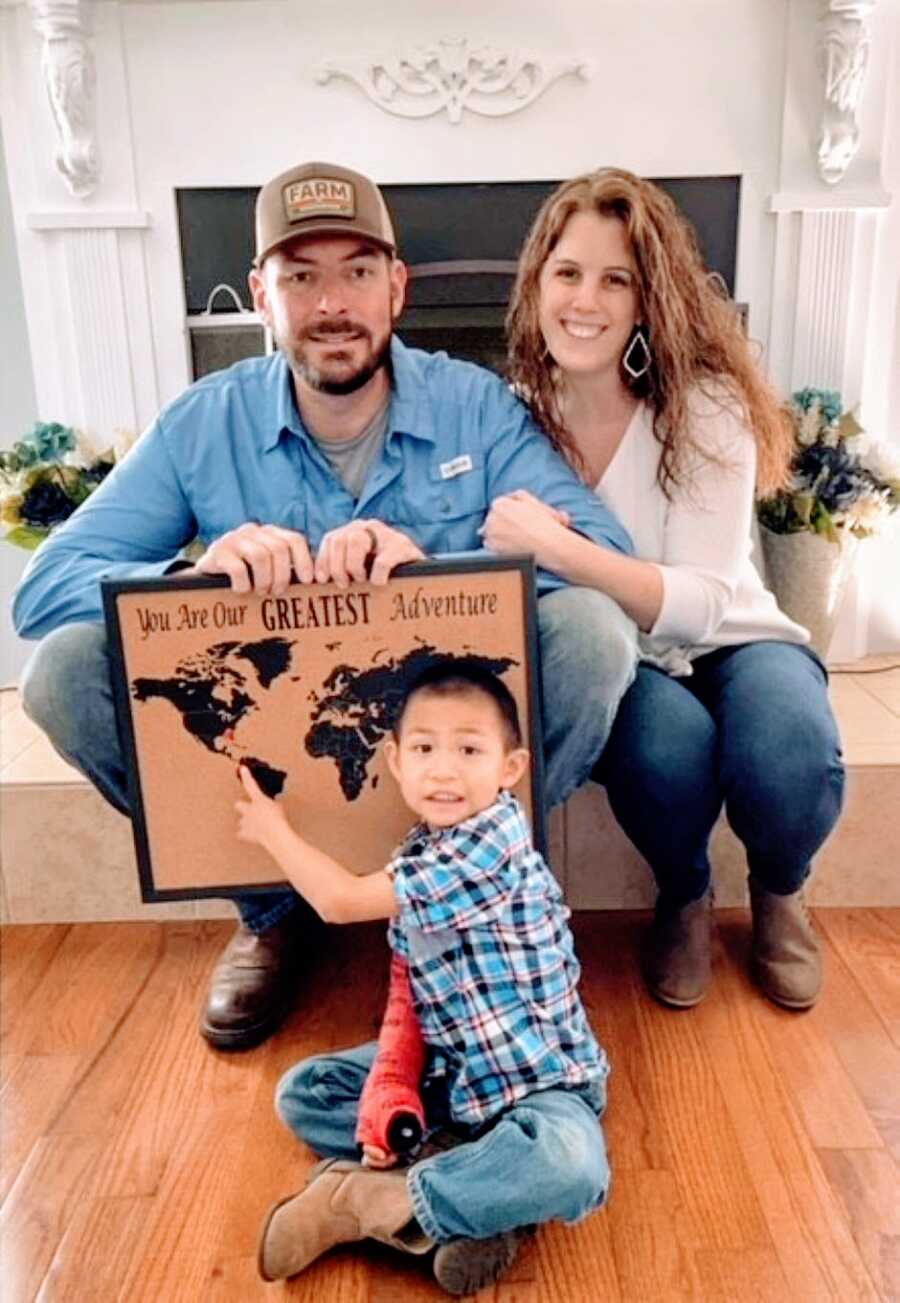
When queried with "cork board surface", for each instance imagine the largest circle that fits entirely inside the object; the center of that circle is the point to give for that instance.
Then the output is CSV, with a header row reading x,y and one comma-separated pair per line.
x,y
303,689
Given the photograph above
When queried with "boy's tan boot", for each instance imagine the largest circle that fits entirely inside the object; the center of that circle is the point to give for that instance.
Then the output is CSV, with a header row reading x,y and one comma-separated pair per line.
x,y
785,958
343,1201
676,956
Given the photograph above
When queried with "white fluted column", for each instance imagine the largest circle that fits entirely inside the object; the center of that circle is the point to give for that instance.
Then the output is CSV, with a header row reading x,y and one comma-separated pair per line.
x,y
824,264
99,325
103,328
823,293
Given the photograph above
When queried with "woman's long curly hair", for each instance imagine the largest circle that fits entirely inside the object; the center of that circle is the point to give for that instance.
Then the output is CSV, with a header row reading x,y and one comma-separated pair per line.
x,y
697,339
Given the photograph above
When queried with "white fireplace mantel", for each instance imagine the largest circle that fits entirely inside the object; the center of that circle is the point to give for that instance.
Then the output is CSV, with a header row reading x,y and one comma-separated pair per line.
x,y
224,93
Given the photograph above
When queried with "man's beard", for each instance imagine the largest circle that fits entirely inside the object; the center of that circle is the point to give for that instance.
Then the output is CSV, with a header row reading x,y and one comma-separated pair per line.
x,y
318,378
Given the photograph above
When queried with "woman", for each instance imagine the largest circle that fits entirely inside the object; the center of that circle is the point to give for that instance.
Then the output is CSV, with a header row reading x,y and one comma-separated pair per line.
x,y
638,369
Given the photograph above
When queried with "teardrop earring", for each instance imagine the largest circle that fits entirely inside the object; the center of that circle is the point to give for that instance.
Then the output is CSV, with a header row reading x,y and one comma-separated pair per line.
x,y
637,356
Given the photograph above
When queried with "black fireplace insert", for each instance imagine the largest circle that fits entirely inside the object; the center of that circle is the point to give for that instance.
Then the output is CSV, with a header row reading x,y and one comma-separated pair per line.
x,y
460,242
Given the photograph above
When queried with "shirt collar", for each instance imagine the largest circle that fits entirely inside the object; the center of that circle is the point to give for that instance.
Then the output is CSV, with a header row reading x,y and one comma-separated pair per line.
x,y
410,412
504,804
284,414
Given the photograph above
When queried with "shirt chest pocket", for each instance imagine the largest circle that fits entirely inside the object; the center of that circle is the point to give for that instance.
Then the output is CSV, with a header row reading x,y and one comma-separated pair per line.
x,y
444,510
290,514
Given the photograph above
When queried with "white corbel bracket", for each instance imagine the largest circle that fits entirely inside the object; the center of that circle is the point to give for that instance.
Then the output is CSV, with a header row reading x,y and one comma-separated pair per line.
x,y
453,75
67,64
844,39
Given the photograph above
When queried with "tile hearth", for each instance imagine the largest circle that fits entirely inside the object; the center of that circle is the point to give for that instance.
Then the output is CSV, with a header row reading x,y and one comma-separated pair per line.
x,y
66,856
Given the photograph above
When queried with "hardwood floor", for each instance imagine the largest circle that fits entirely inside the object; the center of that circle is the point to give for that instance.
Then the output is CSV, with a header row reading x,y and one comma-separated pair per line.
x,y
756,1153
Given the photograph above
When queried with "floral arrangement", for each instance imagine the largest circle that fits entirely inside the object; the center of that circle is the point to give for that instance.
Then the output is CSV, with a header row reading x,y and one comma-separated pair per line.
x,y
45,476
840,480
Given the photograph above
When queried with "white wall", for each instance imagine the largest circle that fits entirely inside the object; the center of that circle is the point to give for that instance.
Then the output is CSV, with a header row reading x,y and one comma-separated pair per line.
x,y
224,93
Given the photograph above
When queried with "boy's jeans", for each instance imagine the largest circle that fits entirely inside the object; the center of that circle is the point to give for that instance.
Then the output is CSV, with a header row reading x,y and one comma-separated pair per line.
x,y
588,660
545,1159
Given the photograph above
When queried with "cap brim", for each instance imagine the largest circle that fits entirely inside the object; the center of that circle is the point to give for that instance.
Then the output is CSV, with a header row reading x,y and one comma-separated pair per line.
x,y
312,229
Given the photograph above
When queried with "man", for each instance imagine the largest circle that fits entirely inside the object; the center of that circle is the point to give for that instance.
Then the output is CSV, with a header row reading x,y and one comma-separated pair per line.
x,y
343,451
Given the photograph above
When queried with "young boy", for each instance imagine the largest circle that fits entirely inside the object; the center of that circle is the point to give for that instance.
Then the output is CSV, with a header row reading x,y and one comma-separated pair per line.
x,y
513,1068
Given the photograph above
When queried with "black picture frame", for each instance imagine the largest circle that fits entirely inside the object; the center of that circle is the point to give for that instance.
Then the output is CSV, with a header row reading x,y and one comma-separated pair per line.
x,y
163,773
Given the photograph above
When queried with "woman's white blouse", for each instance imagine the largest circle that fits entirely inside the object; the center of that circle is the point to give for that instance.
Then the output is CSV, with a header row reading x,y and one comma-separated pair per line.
x,y
701,541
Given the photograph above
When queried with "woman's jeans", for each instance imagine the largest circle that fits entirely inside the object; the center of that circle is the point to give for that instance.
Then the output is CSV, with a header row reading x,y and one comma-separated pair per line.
x,y
544,1159
752,729
588,657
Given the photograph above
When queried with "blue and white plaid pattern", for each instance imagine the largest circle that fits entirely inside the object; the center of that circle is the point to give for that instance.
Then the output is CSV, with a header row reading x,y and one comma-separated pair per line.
x,y
483,927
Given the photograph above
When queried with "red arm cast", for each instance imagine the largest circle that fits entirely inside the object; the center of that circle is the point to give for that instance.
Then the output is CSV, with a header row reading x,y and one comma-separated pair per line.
x,y
391,1115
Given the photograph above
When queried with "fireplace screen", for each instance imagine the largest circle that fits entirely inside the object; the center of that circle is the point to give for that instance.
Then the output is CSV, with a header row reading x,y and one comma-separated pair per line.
x,y
460,242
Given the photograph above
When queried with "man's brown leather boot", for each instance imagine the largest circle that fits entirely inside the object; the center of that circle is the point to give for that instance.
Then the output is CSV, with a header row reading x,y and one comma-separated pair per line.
x,y
676,958
252,986
785,960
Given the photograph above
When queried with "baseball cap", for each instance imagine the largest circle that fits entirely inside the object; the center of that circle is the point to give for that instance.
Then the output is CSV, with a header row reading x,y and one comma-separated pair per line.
x,y
320,199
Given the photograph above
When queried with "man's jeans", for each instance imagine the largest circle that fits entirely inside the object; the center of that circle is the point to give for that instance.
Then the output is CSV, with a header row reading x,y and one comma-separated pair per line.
x,y
587,662
752,729
545,1159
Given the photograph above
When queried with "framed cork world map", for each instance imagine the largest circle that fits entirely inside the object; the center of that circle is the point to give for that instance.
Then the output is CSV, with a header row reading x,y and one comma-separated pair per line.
x,y
303,689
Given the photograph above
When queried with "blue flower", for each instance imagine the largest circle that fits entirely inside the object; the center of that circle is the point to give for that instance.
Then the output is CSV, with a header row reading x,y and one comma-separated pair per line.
x,y
41,484
833,486
829,402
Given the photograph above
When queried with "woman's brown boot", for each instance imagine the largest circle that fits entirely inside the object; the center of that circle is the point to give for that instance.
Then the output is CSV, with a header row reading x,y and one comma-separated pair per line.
x,y
676,957
785,960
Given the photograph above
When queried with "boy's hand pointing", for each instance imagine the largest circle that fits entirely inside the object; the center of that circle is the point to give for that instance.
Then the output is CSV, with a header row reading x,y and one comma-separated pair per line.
x,y
259,818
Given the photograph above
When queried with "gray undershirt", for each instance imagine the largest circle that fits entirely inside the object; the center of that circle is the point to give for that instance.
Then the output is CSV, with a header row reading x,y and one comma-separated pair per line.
x,y
350,459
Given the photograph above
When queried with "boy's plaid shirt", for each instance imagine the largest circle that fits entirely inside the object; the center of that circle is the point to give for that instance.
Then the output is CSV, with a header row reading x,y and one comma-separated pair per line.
x,y
482,925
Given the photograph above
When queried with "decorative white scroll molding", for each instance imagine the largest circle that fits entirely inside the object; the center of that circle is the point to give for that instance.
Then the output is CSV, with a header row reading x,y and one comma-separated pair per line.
x,y
453,75
67,63
844,48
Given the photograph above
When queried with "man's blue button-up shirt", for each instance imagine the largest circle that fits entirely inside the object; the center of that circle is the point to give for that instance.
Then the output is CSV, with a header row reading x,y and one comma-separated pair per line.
x,y
232,449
